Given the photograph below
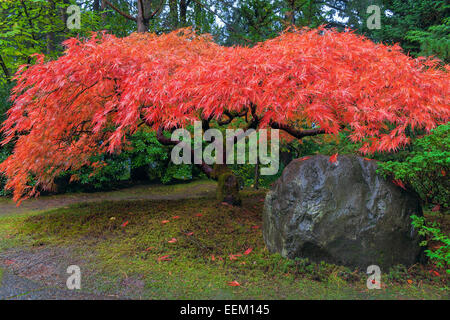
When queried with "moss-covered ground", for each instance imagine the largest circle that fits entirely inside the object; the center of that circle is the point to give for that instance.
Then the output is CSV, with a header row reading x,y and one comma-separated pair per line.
x,y
194,249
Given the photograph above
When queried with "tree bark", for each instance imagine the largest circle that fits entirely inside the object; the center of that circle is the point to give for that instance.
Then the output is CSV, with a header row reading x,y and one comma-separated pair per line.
x,y
51,45
227,185
5,70
173,14
256,182
96,5
183,12
290,13
144,15
142,22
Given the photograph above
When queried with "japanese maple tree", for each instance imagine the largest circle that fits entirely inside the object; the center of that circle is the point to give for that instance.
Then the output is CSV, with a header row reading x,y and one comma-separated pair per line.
x,y
304,82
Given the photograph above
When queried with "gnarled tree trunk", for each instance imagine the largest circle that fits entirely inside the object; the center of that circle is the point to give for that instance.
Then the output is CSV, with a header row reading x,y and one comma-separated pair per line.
x,y
227,185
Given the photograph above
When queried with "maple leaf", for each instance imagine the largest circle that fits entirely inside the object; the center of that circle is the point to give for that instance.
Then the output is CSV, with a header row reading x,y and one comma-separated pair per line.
x,y
436,208
234,256
399,183
333,158
164,258
435,273
234,283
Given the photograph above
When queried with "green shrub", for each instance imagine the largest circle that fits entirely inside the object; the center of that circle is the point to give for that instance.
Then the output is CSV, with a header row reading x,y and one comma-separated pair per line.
x,y
145,160
425,167
431,231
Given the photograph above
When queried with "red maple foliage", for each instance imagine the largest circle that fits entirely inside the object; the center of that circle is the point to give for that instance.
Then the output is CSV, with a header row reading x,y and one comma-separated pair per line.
x,y
304,82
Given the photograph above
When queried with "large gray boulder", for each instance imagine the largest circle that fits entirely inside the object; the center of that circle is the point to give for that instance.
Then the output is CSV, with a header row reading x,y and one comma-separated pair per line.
x,y
342,213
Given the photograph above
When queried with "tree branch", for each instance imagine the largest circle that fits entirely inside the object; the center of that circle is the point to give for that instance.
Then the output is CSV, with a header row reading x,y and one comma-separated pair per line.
x,y
154,13
124,14
5,70
30,21
299,134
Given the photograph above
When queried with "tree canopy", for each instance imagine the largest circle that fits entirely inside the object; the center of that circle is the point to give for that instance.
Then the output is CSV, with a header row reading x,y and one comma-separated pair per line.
x,y
305,82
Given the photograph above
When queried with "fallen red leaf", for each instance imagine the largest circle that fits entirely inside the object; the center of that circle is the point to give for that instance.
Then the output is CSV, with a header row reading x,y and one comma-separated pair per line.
x,y
399,183
436,208
198,215
234,256
409,281
213,258
333,158
248,251
304,158
123,225
175,217
255,227
149,248
443,173
225,203
189,233
164,258
165,221
173,240
234,284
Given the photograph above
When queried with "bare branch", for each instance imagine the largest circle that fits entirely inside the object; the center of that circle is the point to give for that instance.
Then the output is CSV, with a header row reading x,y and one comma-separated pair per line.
x,y
124,14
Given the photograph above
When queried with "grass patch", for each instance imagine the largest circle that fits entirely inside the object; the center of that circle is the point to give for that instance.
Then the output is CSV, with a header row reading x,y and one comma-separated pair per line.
x,y
193,249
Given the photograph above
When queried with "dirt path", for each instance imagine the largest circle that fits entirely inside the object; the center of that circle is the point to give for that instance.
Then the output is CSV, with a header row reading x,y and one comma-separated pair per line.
x,y
13,287
144,192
